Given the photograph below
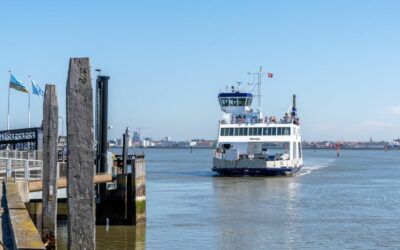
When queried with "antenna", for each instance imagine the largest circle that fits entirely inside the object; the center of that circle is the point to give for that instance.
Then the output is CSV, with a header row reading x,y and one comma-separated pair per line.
x,y
259,89
259,76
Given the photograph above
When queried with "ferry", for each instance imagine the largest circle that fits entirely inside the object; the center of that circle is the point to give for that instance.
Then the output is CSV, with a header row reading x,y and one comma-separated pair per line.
x,y
252,144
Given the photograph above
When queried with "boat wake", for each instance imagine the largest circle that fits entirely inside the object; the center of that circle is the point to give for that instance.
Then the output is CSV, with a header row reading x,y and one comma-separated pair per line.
x,y
313,166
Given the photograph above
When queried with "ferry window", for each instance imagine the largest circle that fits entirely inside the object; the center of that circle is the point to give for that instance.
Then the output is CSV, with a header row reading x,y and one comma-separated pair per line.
x,y
259,131
286,131
240,131
265,131
241,101
226,131
250,131
233,102
224,102
273,131
236,131
230,131
245,131
221,133
299,150
248,101
279,131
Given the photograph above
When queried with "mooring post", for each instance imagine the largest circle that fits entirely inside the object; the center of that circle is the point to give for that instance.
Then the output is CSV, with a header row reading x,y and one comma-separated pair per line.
x,y
80,170
50,158
125,139
138,190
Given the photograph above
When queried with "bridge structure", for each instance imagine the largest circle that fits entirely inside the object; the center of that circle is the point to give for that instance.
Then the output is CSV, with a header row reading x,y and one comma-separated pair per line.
x,y
21,139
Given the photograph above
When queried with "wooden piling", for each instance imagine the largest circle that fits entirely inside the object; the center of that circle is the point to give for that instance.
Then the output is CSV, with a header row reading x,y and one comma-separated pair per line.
x,y
125,139
139,190
80,170
49,194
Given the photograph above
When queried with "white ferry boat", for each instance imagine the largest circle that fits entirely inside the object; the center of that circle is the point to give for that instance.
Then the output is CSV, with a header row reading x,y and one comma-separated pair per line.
x,y
252,144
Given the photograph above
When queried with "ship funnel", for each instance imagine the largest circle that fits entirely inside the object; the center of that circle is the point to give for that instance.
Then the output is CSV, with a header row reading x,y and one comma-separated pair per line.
x,y
294,101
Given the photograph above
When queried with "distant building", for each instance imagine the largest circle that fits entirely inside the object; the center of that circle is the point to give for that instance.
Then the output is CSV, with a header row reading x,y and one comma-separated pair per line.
x,y
136,136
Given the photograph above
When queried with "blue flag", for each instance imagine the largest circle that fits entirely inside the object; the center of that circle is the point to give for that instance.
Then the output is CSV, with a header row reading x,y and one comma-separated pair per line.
x,y
17,84
36,89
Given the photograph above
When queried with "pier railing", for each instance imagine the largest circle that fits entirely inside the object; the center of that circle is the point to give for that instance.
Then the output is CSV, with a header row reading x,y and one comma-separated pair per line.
x,y
20,169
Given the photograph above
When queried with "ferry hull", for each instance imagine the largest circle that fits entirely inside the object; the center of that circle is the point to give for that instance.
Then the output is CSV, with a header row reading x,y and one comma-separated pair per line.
x,y
255,167
256,171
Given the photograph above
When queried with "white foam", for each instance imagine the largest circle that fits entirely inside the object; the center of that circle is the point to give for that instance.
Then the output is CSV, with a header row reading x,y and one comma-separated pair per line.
x,y
313,166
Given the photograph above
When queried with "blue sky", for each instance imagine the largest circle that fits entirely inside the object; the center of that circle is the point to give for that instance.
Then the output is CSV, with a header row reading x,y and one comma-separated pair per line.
x,y
168,60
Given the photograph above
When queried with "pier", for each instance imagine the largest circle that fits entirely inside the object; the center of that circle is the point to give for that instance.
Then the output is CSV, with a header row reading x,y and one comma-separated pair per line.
x,y
100,188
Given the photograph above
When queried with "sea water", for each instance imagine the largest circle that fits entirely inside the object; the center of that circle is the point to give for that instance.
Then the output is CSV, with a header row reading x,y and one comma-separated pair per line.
x,y
346,202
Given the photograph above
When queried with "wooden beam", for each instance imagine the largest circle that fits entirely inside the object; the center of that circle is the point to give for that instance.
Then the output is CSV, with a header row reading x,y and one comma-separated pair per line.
x,y
35,186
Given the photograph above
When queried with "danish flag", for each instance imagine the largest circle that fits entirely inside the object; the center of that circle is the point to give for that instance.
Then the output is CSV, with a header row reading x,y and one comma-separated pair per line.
x,y
270,75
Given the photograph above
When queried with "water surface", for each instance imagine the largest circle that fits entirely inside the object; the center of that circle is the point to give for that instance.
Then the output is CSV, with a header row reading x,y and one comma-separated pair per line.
x,y
350,202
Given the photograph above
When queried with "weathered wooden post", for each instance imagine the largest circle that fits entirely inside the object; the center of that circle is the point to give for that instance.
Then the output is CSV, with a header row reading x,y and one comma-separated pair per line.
x,y
80,171
138,189
49,194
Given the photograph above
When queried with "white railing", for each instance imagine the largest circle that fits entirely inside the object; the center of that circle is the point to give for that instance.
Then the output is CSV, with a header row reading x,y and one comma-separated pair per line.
x,y
16,154
20,169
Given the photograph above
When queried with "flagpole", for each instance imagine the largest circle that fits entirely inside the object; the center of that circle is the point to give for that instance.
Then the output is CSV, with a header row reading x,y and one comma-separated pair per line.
x,y
29,110
29,107
8,113
8,109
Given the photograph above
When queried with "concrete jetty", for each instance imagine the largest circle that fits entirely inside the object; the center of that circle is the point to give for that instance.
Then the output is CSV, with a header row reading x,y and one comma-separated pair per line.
x,y
22,232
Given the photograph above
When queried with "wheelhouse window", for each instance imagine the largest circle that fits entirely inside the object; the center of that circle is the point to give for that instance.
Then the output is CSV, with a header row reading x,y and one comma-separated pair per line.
x,y
236,131
224,102
279,131
231,131
248,101
235,102
241,101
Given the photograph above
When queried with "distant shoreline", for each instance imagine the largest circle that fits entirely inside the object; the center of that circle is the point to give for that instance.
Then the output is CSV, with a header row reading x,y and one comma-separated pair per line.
x,y
316,149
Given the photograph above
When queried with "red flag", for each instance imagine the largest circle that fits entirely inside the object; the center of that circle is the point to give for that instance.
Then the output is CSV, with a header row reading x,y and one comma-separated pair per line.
x,y
270,75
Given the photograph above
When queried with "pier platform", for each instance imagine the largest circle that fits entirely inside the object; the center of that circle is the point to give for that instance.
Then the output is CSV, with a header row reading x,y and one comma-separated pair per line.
x,y
17,228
